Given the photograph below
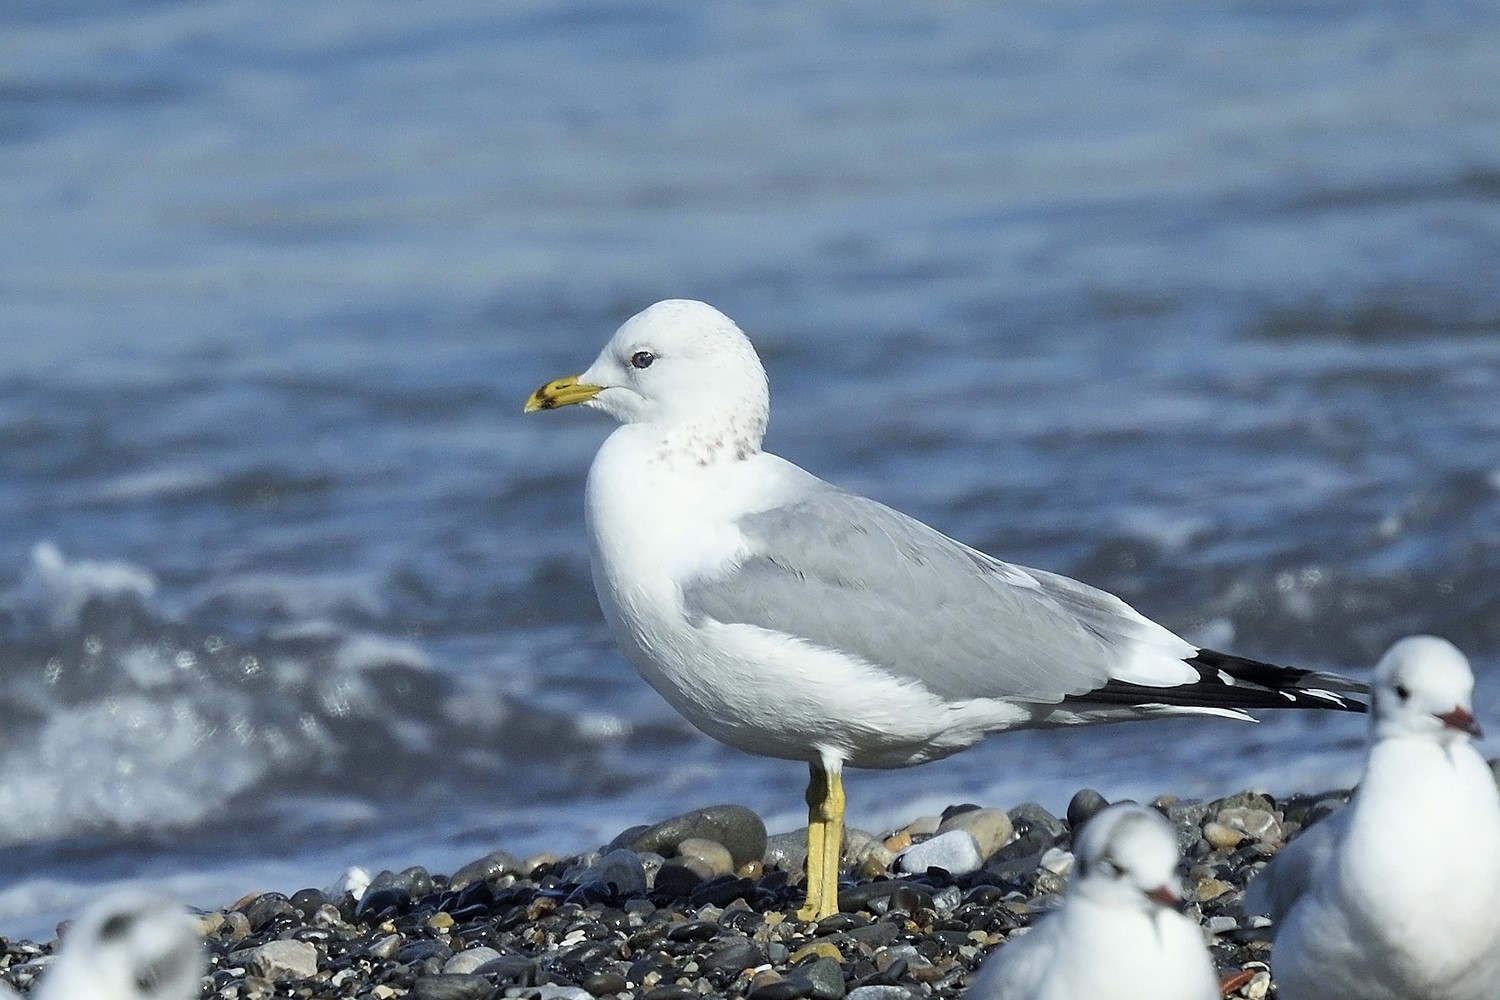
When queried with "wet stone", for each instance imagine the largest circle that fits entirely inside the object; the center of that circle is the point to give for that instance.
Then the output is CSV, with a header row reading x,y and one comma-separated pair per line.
x,y
790,988
493,865
786,851
826,977
470,959
721,891
670,992
620,869
307,902
1033,818
451,987
693,930
738,829
602,983
733,957
267,907
1084,805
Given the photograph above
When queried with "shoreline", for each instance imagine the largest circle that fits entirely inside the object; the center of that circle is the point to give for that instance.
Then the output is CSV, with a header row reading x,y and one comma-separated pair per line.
x,y
703,905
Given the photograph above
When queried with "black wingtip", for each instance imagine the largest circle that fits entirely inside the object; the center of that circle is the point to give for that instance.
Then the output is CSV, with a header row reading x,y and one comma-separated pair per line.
x,y
1280,687
1226,681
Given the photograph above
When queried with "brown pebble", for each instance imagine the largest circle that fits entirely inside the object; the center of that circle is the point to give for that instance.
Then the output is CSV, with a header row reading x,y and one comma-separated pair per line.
x,y
1222,837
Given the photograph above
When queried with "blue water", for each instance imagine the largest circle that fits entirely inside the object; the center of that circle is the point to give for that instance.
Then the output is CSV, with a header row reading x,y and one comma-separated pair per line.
x,y
1198,303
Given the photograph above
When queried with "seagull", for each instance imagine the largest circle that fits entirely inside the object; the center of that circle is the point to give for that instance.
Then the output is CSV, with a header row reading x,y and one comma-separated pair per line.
x,y
1397,895
131,945
793,619
1119,933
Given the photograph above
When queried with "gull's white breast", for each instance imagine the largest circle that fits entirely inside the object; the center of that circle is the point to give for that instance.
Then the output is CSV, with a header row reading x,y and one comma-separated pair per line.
x,y
655,521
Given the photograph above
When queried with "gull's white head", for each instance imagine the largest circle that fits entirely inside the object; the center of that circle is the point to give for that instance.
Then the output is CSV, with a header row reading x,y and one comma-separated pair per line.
x,y
1127,858
131,945
1424,688
680,366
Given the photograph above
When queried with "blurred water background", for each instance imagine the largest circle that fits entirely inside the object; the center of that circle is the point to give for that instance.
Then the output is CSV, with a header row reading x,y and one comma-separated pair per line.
x,y
1199,303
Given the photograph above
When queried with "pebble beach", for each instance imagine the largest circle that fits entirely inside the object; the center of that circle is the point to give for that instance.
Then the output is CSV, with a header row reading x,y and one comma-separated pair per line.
x,y
703,905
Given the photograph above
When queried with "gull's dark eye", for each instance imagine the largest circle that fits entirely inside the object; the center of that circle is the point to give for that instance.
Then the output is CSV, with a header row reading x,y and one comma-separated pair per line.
x,y
1402,692
642,359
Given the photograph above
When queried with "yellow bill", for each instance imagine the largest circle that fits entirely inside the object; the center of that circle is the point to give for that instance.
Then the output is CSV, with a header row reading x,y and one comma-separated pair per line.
x,y
561,392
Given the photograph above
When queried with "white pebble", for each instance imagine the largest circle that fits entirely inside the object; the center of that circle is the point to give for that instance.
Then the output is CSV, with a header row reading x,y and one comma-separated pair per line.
x,y
955,852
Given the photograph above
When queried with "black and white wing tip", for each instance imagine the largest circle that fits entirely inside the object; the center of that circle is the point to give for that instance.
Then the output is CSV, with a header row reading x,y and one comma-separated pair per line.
x,y
1234,682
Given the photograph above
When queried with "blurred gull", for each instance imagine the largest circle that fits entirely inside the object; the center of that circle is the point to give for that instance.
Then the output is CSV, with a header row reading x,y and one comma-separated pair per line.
x,y
792,619
131,945
1118,933
1398,894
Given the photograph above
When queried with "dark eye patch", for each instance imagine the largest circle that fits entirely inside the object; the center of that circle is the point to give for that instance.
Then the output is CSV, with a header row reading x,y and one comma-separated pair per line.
x,y
117,926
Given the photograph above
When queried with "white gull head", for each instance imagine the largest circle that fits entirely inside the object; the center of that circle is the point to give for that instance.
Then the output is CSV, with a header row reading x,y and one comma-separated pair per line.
x,y
686,369
1423,689
131,945
1127,858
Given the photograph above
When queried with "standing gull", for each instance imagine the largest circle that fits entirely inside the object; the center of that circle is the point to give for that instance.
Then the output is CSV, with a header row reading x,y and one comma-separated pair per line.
x,y
1118,934
1398,894
792,619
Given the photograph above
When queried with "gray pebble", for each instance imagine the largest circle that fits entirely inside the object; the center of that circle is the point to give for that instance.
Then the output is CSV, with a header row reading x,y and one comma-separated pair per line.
x,y
954,852
492,865
1037,820
827,979
1057,861
451,987
990,828
786,851
620,868
470,959
554,992
879,993
387,946
946,900
283,959
1261,824
737,828
670,992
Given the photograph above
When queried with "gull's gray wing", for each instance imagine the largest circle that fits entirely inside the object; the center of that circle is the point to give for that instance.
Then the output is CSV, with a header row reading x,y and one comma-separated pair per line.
x,y
1294,869
847,573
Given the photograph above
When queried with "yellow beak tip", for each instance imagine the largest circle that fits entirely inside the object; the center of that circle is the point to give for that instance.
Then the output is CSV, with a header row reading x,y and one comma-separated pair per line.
x,y
560,392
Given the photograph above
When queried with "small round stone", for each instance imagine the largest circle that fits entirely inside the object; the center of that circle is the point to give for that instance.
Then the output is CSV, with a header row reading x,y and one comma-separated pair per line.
x,y
990,828
738,829
277,961
714,856
602,983
1085,804
955,852
470,959
1222,837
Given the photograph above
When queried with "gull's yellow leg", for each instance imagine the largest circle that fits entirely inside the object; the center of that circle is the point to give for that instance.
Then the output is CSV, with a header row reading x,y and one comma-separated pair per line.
x,y
825,841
